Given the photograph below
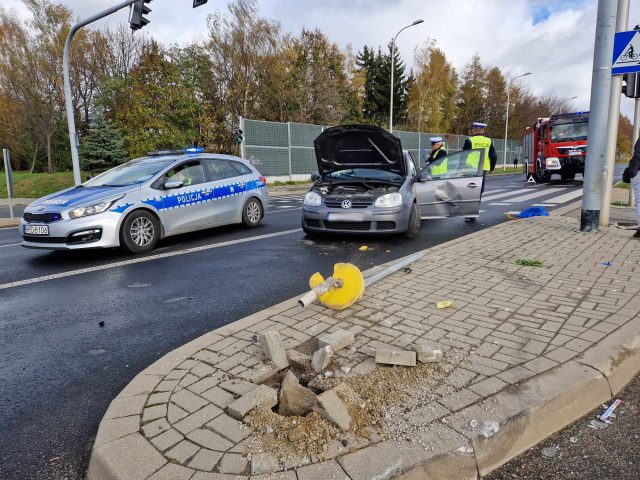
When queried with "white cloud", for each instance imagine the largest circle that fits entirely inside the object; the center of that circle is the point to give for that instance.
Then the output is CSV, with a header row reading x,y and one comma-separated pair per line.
x,y
553,39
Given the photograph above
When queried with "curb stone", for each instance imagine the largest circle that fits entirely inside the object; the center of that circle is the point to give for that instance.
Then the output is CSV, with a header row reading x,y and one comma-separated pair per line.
x,y
526,412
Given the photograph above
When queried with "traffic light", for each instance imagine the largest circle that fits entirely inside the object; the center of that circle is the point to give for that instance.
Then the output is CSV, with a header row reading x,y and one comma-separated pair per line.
x,y
239,136
197,3
138,9
631,88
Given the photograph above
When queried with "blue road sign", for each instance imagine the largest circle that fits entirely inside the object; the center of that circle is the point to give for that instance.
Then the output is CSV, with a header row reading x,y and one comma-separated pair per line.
x,y
626,53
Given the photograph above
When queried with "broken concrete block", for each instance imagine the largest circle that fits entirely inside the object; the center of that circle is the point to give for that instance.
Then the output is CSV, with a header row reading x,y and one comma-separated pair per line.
x,y
294,398
274,349
322,358
396,357
333,409
263,463
262,396
337,340
298,359
319,384
427,354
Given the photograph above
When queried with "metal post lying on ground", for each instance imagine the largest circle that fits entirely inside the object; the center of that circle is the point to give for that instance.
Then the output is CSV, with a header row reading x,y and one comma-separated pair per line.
x,y
68,99
9,176
599,109
312,295
634,138
615,92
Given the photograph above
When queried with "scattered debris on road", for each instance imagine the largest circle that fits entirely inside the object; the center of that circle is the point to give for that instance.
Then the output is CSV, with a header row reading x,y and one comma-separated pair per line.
x,y
444,304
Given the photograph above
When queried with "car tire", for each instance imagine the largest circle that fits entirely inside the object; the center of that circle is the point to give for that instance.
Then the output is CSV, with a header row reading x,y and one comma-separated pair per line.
x,y
414,223
139,232
252,213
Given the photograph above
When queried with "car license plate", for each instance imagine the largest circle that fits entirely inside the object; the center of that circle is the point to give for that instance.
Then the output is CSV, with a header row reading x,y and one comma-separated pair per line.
x,y
345,217
36,229
575,152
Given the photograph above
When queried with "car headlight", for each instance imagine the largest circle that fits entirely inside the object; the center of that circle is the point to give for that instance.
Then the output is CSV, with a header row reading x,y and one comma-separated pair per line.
x,y
389,200
91,209
312,199
552,162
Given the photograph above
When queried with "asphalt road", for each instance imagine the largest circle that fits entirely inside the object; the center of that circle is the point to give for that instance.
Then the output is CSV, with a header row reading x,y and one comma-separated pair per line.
x,y
59,369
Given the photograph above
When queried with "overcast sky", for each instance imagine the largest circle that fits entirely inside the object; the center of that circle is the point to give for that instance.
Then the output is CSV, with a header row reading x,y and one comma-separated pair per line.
x,y
553,39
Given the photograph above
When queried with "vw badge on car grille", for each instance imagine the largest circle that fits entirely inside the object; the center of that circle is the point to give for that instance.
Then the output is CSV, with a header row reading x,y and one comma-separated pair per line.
x,y
346,204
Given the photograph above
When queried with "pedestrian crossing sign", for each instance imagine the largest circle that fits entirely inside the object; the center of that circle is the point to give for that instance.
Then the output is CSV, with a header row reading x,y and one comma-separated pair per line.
x,y
626,53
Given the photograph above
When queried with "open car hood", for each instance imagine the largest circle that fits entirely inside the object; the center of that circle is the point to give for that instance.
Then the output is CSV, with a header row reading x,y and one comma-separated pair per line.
x,y
358,146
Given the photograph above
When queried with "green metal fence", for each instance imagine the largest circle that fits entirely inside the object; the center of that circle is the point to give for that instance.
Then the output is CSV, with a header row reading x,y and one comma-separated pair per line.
x,y
286,149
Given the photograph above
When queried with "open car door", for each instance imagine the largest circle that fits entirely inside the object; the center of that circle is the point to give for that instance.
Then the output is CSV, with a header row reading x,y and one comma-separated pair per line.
x,y
451,186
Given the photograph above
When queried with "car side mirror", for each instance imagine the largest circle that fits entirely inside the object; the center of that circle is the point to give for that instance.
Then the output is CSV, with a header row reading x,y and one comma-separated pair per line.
x,y
172,184
315,176
424,177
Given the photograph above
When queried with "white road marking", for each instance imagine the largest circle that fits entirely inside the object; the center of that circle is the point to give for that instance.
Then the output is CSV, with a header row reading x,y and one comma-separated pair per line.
x,y
567,197
502,195
498,204
9,245
531,196
497,190
285,209
542,205
124,263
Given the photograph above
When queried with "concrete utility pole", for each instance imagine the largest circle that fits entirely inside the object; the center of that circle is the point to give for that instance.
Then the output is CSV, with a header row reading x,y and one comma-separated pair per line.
x,y
506,123
622,19
599,109
68,99
393,47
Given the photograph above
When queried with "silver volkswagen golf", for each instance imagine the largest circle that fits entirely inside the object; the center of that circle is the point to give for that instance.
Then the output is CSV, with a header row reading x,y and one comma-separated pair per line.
x,y
136,204
366,183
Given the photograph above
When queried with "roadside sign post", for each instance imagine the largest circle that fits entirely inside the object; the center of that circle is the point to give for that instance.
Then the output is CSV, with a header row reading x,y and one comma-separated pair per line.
x,y
9,176
634,139
615,93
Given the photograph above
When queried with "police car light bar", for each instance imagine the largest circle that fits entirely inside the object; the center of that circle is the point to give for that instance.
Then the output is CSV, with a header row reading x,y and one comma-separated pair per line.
x,y
175,152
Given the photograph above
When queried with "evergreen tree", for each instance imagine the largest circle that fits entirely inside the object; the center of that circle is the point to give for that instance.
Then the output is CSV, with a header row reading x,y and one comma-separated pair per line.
x,y
103,147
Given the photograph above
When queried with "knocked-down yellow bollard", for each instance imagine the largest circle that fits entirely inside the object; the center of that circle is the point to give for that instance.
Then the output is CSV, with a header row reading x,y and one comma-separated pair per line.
x,y
339,291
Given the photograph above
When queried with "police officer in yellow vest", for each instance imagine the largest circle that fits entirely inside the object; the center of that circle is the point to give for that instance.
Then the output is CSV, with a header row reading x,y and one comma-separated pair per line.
x,y
437,152
478,140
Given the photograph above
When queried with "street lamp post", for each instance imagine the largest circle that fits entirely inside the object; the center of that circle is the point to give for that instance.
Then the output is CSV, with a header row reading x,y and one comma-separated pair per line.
x,y
393,45
506,123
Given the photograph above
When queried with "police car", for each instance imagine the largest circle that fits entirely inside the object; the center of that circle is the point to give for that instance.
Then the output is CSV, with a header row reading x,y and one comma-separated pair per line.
x,y
136,204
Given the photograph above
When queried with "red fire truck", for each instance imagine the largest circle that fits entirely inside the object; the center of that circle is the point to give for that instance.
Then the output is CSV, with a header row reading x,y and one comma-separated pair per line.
x,y
556,145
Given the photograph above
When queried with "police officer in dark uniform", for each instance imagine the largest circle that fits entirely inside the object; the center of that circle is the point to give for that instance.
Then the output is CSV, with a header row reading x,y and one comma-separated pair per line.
x,y
478,140
437,150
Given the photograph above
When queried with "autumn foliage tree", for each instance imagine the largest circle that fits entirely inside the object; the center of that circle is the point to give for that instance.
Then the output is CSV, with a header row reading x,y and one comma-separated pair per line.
x,y
155,96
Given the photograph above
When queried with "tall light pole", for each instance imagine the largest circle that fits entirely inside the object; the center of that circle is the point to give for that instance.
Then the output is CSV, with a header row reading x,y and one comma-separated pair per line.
x,y
393,46
506,123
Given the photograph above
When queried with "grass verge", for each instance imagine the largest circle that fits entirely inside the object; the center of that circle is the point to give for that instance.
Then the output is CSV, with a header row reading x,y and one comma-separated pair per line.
x,y
36,185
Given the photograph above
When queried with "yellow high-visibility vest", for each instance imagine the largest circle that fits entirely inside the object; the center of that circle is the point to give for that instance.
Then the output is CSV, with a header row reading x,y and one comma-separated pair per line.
x,y
440,169
479,141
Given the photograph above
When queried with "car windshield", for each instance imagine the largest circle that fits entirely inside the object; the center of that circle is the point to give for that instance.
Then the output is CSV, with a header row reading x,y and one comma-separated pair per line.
x,y
364,174
567,132
130,173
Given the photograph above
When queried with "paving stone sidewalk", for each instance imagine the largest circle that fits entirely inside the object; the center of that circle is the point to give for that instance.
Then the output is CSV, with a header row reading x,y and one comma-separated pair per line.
x,y
508,325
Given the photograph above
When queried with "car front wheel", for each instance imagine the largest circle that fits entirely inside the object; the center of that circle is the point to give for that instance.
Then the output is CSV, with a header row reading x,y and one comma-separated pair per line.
x,y
252,213
414,223
140,232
